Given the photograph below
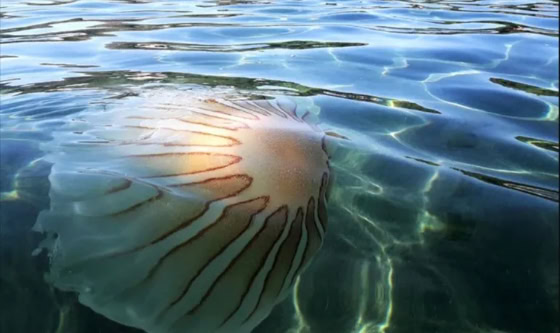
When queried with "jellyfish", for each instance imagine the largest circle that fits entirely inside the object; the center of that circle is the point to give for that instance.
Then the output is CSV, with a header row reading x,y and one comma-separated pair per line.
x,y
182,212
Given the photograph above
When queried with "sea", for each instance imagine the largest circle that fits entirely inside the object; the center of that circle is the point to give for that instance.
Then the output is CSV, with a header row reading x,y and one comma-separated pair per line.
x,y
444,192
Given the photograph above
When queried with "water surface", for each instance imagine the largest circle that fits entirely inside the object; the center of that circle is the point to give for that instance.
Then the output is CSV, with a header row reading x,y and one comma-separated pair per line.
x,y
444,208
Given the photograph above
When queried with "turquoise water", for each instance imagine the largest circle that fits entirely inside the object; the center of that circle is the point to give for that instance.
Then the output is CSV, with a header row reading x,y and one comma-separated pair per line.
x,y
443,214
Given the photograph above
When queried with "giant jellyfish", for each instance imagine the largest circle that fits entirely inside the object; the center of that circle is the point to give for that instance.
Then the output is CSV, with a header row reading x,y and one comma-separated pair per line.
x,y
185,212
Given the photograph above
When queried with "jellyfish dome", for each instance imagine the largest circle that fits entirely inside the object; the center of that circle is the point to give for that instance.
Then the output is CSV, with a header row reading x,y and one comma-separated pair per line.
x,y
179,212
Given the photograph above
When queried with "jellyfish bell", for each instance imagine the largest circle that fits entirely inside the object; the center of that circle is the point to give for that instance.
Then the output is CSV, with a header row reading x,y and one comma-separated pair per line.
x,y
177,212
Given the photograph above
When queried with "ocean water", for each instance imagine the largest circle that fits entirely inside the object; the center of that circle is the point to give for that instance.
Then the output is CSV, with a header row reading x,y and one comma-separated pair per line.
x,y
443,210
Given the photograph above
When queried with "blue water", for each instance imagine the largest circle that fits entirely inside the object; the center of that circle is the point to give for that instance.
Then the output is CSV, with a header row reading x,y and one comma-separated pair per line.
x,y
444,206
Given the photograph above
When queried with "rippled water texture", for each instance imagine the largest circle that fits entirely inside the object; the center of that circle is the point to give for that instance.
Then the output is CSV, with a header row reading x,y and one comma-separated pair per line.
x,y
444,207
